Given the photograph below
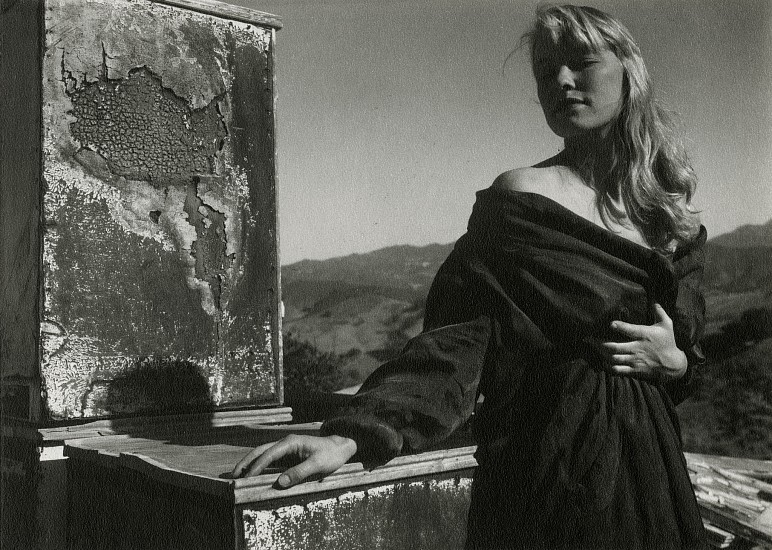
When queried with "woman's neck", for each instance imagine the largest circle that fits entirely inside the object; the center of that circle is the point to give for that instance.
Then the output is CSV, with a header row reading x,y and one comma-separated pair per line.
x,y
590,156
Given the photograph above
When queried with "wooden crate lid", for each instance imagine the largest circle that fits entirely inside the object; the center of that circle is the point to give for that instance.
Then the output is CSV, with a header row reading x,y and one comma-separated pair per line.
x,y
730,492
201,462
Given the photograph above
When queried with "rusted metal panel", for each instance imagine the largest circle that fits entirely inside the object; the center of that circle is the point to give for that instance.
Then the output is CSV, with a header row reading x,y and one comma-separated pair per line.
x,y
159,251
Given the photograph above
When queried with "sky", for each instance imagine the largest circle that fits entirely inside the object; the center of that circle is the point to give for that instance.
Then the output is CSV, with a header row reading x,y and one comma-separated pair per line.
x,y
392,114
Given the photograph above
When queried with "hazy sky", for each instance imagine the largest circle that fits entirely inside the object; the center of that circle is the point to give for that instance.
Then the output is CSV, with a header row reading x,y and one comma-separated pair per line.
x,y
392,114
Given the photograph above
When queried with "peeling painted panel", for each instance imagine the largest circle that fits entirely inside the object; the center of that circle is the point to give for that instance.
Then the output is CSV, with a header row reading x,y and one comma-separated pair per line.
x,y
159,251
426,514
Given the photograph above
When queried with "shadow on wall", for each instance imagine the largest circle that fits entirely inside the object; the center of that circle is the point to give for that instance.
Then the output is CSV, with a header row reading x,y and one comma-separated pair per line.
x,y
155,387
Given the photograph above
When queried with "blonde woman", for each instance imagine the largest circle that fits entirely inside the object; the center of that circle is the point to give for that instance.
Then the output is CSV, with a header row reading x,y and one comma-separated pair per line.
x,y
573,305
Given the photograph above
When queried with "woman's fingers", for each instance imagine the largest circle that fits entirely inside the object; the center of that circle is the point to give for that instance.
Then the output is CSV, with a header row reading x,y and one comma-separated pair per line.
x,y
260,457
273,454
635,332
319,455
299,473
651,350
622,359
249,458
618,347
662,316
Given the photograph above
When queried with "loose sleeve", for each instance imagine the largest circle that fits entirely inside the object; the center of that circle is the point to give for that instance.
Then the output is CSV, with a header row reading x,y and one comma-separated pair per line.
x,y
689,318
430,389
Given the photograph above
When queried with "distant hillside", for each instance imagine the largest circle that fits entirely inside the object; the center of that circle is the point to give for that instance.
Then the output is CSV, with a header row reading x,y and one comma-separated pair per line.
x,y
403,272
738,274
369,305
740,261
746,236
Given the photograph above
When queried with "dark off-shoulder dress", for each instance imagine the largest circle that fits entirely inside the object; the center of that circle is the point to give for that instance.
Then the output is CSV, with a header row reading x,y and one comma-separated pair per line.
x,y
570,455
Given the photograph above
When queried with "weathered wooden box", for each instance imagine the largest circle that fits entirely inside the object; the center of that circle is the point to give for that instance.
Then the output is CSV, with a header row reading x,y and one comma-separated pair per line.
x,y
156,490
165,490
139,224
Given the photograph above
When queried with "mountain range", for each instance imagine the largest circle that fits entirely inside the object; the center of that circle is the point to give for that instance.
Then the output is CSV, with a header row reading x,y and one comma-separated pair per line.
x,y
368,305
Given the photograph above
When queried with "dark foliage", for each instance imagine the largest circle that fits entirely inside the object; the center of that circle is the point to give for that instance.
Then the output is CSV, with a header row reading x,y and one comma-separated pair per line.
x,y
753,326
742,396
732,405
306,369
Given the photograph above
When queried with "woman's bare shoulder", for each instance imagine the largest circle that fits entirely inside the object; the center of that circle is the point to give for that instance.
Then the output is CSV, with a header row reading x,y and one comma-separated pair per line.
x,y
530,179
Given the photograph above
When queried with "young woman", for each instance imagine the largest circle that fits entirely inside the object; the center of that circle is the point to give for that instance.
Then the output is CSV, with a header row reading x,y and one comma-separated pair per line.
x,y
573,305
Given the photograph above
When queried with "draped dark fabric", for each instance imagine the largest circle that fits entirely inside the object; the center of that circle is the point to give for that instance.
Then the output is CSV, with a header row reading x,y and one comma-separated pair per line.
x,y
570,455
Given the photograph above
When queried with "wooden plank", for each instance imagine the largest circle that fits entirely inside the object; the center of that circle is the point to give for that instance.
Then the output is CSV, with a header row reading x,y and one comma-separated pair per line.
x,y
261,488
278,318
227,11
161,472
187,422
730,500
747,466
20,213
96,457
717,537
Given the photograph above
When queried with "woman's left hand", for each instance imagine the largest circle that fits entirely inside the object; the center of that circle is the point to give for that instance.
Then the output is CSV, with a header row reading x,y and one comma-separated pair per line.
x,y
651,353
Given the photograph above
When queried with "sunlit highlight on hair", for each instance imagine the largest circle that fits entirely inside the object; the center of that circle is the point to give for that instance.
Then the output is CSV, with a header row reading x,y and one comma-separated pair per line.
x,y
650,170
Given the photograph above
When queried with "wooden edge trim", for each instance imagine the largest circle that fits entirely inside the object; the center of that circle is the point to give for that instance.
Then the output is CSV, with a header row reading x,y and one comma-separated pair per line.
x,y
278,305
216,419
163,473
737,464
227,11
90,455
746,530
149,467
261,488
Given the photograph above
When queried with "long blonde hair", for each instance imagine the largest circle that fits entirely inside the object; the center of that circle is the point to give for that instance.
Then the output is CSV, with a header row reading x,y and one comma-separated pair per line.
x,y
648,163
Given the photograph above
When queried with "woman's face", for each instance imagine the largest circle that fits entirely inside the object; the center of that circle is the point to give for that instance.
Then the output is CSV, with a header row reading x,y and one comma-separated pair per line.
x,y
579,91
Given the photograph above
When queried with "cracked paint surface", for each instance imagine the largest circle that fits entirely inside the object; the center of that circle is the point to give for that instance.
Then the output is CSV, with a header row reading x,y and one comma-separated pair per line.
x,y
425,514
143,131
159,250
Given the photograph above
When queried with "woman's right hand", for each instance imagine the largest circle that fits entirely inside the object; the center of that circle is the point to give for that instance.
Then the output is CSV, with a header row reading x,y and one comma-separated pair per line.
x,y
319,456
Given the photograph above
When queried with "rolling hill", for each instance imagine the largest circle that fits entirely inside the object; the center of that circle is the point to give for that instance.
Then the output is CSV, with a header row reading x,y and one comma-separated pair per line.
x,y
372,303
364,305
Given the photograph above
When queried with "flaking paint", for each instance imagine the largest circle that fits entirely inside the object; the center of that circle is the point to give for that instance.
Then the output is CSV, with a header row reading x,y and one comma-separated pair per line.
x,y
141,166
426,514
